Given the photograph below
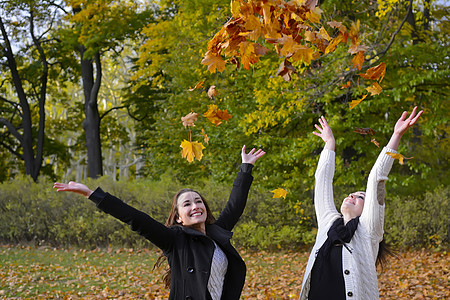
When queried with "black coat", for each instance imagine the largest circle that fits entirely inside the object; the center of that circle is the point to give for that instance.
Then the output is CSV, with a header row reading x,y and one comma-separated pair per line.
x,y
188,251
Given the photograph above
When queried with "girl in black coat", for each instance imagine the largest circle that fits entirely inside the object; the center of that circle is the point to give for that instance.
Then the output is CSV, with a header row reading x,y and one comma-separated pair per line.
x,y
203,263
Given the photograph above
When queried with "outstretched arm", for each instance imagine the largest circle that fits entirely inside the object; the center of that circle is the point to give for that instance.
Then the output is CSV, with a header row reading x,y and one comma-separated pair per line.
x,y
241,186
140,222
373,213
323,191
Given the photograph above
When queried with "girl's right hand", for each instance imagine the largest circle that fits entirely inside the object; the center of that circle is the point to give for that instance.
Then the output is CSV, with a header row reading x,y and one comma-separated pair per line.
x,y
73,186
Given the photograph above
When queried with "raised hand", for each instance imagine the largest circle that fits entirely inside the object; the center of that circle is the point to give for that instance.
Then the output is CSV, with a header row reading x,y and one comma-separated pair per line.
x,y
401,126
325,133
252,156
73,186
404,123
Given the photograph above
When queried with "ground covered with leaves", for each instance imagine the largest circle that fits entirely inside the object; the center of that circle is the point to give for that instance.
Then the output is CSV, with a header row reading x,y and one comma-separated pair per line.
x,y
48,273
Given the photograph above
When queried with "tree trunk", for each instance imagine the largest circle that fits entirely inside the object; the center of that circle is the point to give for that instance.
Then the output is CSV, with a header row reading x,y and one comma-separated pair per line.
x,y
91,123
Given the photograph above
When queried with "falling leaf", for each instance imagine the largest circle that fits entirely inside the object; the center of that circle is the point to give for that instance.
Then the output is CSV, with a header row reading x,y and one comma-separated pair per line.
x,y
375,73
374,89
189,119
285,70
197,86
364,130
345,85
214,62
398,156
216,116
356,102
206,138
279,192
375,142
192,150
358,60
212,92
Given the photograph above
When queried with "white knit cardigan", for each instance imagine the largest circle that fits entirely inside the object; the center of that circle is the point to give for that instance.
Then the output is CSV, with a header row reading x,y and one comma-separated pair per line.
x,y
358,266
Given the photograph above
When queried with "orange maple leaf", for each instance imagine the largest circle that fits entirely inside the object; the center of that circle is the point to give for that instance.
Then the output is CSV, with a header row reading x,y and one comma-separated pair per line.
x,y
214,62
216,116
206,138
197,86
189,119
374,89
191,150
398,156
356,102
358,60
345,85
279,192
375,73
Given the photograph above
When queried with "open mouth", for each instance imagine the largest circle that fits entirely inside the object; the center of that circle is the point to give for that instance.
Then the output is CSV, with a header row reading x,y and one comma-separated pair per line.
x,y
196,214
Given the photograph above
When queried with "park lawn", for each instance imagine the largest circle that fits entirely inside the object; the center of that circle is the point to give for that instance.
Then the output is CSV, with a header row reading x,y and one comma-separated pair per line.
x,y
49,273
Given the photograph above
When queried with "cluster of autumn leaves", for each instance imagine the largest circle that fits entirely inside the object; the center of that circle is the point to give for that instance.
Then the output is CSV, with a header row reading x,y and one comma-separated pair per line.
x,y
294,30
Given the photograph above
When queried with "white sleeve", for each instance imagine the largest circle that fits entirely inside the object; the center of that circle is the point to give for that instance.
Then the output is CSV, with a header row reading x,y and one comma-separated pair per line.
x,y
323,191
372,216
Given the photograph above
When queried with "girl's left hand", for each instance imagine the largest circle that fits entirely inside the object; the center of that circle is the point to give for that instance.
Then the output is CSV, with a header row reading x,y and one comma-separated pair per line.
x,y
252,156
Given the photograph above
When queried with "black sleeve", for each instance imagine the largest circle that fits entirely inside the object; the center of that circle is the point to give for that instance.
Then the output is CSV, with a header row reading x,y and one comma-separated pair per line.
x,y
238,198
160,235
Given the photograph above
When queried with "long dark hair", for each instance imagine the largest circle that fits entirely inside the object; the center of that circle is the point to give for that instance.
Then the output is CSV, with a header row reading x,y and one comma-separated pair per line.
x,y
172,220
384,251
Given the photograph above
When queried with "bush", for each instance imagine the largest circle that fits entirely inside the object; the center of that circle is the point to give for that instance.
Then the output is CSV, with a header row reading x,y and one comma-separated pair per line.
x,y
419,221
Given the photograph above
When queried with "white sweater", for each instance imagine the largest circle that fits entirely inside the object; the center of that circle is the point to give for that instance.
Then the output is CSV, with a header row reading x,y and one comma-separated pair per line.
x,y
358,267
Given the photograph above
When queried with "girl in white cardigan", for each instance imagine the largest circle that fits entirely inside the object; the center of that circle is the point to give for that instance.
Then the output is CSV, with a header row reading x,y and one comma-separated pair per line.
x,y
342,262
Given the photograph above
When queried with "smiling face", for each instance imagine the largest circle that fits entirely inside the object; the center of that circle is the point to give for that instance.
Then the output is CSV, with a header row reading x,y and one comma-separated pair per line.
x,y
353,205
191,210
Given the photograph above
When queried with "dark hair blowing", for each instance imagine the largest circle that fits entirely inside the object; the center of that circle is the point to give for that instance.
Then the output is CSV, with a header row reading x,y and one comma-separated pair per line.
x,y
172,221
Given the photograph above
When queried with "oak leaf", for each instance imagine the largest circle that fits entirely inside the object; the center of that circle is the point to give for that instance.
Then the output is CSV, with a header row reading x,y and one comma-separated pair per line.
x,y
189,119
279,192
398,156
191,150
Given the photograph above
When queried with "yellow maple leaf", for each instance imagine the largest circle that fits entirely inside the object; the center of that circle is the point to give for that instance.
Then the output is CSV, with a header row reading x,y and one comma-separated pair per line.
x,y
303,54
279,192
398,156
235,9
374,89
356,102
214,62
324,34
191,150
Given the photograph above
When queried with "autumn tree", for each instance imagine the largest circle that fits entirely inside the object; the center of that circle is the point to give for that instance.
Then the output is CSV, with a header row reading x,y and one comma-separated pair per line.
x,y
96,27
27,70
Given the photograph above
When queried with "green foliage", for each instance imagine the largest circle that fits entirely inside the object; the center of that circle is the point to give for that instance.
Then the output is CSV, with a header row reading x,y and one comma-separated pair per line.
x,y
419,221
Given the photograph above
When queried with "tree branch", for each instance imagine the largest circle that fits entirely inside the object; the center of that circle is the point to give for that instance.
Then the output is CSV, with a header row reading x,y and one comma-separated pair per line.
x,y
111,109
